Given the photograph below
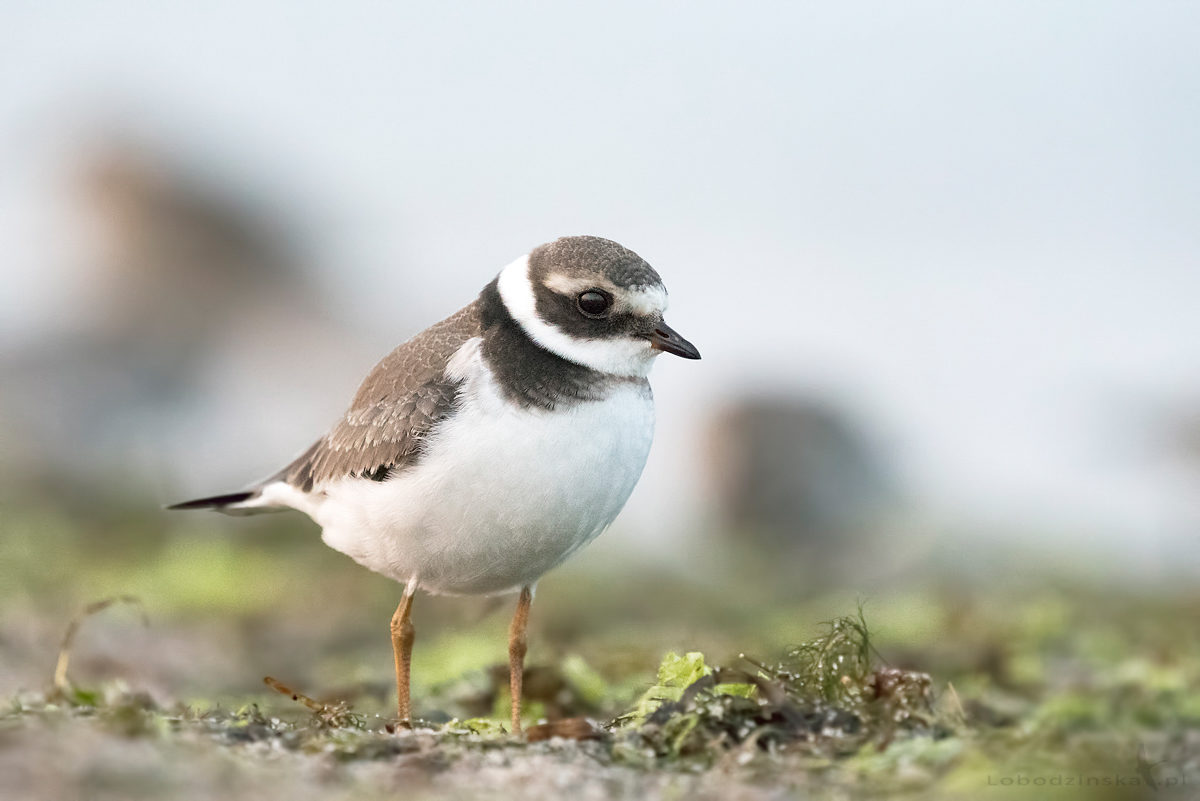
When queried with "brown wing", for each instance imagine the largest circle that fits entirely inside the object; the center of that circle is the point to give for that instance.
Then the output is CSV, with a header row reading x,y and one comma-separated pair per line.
x,y
396,407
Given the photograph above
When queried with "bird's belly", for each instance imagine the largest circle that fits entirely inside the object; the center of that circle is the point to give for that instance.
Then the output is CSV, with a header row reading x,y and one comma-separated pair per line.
x,y
502,494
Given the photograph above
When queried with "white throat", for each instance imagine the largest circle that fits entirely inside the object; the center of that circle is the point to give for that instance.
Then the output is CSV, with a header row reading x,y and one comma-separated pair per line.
x,y
625,357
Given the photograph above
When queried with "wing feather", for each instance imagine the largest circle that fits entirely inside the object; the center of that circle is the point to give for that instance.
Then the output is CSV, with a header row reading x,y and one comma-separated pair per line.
x,y
395,409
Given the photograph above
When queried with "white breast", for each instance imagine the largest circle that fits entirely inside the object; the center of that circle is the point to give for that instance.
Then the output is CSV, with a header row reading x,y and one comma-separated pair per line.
x,y
502,493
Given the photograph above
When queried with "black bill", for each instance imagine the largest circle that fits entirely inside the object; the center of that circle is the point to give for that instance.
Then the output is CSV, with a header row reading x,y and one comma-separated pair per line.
x,y
667,340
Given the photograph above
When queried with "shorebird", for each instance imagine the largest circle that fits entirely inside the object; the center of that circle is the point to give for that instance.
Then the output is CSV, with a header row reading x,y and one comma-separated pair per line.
x,y
494,444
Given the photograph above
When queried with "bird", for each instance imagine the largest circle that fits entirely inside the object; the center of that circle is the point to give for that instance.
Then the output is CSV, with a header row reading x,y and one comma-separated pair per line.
x,y
493,445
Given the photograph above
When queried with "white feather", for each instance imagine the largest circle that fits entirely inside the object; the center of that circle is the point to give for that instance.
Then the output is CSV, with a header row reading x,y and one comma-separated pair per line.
x,y
502,493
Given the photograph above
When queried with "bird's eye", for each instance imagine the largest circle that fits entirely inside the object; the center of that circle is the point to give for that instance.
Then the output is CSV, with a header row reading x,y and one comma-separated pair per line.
x,y
593,303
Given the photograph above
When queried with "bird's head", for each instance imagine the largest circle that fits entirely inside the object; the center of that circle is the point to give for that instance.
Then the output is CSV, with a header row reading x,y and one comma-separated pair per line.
x,y
592,302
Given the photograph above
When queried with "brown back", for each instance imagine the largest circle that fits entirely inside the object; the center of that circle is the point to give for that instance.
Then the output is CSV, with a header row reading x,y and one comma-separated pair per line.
x,y
395,408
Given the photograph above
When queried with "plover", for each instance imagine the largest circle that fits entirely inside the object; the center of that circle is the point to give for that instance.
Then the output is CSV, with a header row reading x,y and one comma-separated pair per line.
x,y
494,444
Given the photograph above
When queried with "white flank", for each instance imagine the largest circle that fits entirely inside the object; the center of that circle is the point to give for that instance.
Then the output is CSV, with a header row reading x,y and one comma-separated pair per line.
x,y
281,493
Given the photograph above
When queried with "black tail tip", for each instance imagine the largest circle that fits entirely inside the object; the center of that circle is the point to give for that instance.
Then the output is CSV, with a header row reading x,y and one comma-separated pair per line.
x,y
215,502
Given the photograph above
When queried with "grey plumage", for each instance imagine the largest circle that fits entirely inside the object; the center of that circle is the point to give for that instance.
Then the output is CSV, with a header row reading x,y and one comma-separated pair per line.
x,y
589,255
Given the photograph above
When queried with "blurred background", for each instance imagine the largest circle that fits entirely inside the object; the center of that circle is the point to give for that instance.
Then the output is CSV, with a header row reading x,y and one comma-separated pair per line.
x,y
942,261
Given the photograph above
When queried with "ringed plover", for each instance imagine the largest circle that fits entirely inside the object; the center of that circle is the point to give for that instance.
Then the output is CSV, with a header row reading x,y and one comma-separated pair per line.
x,y
494,444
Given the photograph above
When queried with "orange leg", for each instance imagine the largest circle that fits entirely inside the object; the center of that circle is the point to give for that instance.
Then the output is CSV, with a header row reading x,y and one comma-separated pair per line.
x,y
516,654
402,643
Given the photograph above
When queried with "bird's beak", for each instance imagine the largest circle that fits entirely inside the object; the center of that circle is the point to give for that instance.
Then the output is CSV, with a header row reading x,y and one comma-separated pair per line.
x,y
666,339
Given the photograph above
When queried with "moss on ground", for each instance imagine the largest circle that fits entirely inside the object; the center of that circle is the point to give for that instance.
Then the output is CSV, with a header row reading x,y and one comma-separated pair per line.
x,y
828,716
939,687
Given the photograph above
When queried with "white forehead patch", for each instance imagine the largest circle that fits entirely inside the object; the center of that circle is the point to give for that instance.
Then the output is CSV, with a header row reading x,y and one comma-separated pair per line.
x,y
625,357
648,300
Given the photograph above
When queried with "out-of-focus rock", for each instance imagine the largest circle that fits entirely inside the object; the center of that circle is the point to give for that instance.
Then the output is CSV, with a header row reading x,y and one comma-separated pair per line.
x,y
1183,434
794,474
177,257
199,300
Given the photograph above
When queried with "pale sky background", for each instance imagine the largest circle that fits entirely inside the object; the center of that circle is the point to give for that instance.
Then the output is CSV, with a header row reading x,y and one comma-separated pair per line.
x,y
975,225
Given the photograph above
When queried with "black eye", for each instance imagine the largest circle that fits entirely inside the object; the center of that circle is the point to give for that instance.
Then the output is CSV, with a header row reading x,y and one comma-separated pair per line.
x,y
593,303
